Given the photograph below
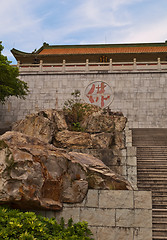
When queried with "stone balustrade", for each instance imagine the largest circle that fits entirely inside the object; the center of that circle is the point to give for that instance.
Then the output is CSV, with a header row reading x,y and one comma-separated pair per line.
x,y
92,67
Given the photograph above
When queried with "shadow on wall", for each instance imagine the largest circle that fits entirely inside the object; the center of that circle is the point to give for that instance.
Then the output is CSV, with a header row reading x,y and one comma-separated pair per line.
x,y
3,130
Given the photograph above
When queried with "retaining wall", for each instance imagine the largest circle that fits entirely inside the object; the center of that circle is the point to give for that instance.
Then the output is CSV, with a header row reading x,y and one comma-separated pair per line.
x,y
112,215
141,96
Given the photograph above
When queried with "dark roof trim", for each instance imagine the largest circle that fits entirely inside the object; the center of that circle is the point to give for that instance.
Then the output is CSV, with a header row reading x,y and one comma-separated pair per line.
x,y
47,46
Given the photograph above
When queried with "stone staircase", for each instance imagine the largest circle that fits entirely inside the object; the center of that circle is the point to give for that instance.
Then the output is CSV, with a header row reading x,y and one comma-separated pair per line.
x,y
152,174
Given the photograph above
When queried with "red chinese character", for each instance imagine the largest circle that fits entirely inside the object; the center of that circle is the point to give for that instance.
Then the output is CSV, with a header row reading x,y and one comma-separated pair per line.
x,y
97,94
101,88
102,100
90,92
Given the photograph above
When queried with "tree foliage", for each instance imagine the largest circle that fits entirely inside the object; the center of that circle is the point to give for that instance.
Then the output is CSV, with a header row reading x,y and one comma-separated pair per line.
x,y
10,84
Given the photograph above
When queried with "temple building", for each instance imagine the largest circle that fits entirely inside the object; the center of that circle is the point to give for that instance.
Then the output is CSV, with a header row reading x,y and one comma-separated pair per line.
x,y
132,78
128,79
142,52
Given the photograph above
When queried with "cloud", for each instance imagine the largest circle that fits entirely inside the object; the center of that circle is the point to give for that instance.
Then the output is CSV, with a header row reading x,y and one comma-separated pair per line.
x,y
148,32
15,17
95,13
26,24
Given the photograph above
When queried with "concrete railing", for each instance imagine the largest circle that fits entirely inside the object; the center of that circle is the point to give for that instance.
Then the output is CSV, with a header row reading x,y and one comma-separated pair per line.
x,y
93,67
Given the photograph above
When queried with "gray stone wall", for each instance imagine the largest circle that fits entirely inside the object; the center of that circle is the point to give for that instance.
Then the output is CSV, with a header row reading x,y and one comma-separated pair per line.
x,y
141,96
112,215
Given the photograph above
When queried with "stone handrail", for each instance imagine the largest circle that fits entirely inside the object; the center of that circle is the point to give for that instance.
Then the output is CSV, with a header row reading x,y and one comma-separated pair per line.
x,y
93,67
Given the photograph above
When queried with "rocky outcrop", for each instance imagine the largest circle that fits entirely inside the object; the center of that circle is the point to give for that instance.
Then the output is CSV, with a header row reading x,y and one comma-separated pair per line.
x,y
42,125
35,174
101,130
101,133
72,139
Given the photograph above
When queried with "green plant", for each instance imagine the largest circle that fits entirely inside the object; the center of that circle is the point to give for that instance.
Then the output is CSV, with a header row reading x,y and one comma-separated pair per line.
x,y
77,127
17,225
75,111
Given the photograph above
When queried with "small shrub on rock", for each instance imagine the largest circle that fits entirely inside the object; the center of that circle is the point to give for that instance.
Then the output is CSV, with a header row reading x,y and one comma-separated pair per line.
x,y
76,111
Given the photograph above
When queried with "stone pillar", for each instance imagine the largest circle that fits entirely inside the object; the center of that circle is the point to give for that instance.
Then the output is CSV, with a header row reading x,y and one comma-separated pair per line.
x,y
159,64
134,64
40,65
64,66
111,66
87,65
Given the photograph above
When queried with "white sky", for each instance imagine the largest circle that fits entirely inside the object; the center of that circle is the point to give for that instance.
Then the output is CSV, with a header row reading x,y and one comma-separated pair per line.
x,y
26,24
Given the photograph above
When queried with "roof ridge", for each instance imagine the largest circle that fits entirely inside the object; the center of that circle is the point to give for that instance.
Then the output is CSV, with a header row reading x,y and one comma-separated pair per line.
x,y
102,45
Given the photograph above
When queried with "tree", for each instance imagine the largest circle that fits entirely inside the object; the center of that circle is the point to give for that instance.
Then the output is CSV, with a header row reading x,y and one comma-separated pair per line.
x,y
10,84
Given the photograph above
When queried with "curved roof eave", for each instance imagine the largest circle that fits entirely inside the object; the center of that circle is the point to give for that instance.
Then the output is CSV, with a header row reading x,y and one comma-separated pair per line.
x,y
17,54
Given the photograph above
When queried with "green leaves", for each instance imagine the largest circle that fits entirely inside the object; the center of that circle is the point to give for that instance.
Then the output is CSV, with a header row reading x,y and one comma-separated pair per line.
x,y
10,84
17,225
75,111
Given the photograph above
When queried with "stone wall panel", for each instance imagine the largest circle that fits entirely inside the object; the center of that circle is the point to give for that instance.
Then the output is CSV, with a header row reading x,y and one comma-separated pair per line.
x,y
144,92
114,214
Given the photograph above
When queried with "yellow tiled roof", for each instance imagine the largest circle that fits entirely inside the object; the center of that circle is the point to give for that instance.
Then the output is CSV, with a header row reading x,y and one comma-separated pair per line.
x,y
102,50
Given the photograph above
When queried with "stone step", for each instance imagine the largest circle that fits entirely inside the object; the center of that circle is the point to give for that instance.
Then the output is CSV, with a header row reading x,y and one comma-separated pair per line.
x,y
148,188
159,184
159,198
159,202
149,143
160,211
159,218
146,173
159,225
162,182
159,238
159,191
152,178
159,194
152,173
151,153
151,167
150,159
144,159
159,206
159,234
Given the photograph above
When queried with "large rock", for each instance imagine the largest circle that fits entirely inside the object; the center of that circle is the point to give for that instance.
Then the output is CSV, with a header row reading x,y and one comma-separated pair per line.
x,y
102,140
82,140
42,125
34,174
72,140
51,126
98,122
120,122
99,130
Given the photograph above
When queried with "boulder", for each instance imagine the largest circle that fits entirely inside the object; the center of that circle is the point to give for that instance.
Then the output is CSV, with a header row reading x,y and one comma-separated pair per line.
x,y
102,140
119,140
72,140
34,174
98,122
120,122
42,125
